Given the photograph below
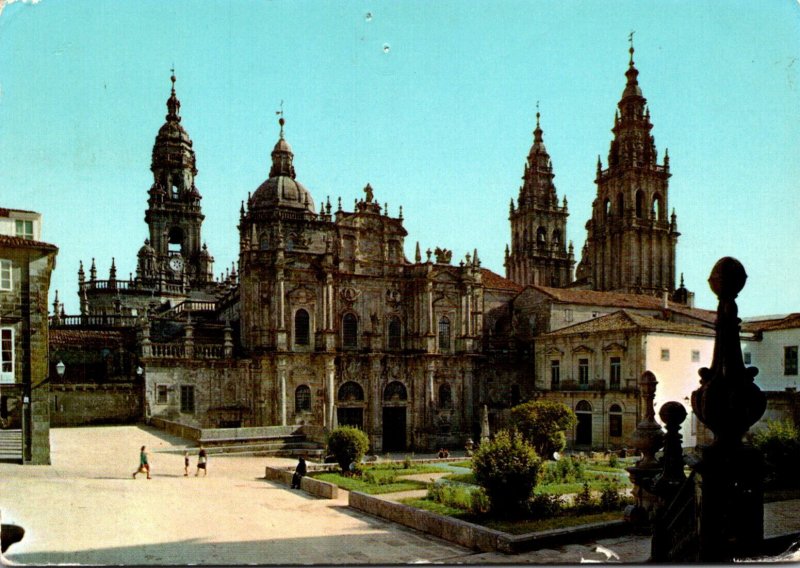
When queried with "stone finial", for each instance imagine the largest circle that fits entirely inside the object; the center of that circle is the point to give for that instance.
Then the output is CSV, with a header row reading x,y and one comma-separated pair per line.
x,y
648,437
417,254
672,414
728,401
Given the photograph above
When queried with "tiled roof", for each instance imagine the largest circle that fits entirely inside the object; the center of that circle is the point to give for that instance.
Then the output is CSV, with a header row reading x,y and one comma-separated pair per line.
x,y
19,242
624,320
7,212
621,300
86,338
792,321
496,282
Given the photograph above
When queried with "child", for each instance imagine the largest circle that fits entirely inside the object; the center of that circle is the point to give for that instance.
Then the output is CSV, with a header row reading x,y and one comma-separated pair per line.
x,y
201,462
186,464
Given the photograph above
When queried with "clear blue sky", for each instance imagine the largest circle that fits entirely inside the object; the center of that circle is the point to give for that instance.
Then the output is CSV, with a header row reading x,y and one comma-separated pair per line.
x,y
440,122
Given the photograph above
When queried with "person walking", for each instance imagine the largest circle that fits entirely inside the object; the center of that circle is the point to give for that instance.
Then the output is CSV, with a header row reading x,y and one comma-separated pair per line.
x,y
202,462
299,472
144,464
186,463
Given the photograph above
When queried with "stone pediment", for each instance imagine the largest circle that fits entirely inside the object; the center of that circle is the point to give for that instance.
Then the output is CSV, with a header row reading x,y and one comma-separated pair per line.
x,y
582,349
554,351
615,346
302,295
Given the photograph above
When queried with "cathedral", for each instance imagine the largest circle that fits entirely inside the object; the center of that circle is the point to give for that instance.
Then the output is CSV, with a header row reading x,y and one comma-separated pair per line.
x,y
326,322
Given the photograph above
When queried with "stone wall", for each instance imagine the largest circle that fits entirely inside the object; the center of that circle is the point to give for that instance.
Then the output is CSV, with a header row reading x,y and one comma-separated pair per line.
x,y
87,404
308,484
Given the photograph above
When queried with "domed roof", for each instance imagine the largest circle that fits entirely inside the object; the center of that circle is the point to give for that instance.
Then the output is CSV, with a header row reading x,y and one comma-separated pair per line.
x,y
146,249
282,189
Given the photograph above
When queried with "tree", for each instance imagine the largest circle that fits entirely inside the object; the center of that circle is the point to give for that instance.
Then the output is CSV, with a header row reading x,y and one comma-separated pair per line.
x,y
348,445
543,423
508,469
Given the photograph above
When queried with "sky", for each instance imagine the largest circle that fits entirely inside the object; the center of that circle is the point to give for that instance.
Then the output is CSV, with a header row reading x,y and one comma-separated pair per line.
x,y
432,103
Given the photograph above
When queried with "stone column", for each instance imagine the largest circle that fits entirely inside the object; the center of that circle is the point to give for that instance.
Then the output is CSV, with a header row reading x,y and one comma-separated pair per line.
x,y
330,376
188,339
282,390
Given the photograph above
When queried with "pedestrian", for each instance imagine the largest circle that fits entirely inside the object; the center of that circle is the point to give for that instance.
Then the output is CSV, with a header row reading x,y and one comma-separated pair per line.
x,y
299,472
202,462
186,463
144,464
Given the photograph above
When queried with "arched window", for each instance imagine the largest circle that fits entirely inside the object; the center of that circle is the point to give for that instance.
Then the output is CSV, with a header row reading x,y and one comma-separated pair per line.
x,y
541,236
606,209
444,334
583,406
176,187
615,421
516,397
640,205
175,239
557,237
301,325
395,391
302,399
349,331
658,207
351,392
445,396
395,333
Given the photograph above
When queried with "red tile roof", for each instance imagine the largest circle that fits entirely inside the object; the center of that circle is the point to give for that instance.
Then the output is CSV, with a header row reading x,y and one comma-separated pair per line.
x,y
19,242
624,320
7,212
621,300
792,321
85,338
496,282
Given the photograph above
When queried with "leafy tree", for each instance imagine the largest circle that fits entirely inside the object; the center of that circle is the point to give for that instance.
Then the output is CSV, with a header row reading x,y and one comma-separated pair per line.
x,y
543,423
780,444
347,445
507,468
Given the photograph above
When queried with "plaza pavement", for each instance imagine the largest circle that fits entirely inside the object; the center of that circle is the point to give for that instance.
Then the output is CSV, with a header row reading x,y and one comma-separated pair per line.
x,y
86,509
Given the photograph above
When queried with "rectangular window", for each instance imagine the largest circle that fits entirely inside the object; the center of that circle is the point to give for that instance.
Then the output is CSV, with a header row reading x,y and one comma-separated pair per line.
x,y
161,394
583,371
6,355
555,374
25,229
615,372
790,360
568,315
5,275
665,354
187,399
748,358
695,356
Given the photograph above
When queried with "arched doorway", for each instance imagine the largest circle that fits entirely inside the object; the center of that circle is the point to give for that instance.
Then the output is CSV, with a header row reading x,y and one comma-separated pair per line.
x,y
350,405
395,398
583,430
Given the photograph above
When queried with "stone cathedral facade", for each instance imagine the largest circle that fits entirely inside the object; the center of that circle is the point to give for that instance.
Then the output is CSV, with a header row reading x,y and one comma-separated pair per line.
x,y
325,321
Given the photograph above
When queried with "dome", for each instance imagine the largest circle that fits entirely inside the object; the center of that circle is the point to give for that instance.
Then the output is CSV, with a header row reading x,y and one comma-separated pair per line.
x,y
282,146
146,249
283,191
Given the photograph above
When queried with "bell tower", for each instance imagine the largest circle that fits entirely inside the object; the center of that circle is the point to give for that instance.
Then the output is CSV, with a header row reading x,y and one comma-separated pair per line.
x,y
174,251
631,239
538,253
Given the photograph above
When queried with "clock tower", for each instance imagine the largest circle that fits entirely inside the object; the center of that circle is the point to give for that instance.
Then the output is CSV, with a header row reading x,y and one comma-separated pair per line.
x,y
174,252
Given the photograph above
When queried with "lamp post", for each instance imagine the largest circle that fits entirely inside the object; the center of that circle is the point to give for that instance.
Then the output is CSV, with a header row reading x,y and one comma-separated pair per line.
x,y
60,368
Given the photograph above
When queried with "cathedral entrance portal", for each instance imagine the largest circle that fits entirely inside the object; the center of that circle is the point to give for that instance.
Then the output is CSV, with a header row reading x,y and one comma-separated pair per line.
x,y
394,428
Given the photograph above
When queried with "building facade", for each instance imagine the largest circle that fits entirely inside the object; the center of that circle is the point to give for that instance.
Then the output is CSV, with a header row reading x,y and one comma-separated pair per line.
x,y
25,268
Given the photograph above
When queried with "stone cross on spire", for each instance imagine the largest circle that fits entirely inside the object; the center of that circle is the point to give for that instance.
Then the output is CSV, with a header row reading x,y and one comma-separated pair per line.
x,y
281,120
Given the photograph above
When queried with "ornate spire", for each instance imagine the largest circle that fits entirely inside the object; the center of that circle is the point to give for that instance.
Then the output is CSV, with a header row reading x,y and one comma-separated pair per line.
x,y
282,155
173,104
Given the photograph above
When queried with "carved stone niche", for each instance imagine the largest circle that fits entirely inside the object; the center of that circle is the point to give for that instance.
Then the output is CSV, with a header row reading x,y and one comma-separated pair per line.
x,y
393,297
349,294
302,295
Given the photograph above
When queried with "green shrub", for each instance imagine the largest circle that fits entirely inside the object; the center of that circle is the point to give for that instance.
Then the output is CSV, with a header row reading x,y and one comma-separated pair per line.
x,y
480,502
780,444
407,463
613,460
584,501
610,498
545,506
379,477
565,470
348,445
543,424
508,469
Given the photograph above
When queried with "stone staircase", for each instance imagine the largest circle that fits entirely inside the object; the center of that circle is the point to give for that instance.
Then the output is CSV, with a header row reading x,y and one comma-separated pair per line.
x,y
11,446
282,446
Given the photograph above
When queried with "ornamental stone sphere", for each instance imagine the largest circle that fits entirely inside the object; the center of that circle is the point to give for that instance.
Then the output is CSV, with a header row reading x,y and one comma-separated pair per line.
x,y
727,278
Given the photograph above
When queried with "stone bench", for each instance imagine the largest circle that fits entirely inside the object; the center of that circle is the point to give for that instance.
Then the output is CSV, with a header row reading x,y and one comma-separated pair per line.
x,y
308,484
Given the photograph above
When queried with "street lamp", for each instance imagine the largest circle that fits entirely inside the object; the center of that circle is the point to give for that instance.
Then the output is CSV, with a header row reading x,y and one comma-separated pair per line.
x,y
60,368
